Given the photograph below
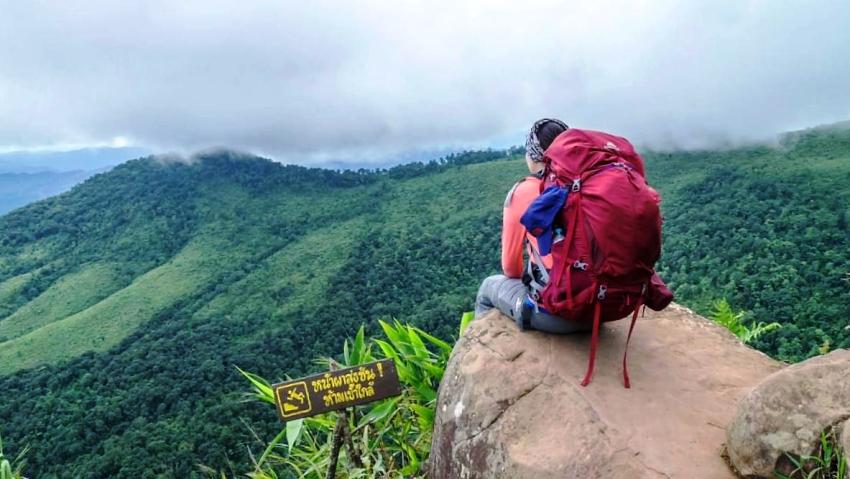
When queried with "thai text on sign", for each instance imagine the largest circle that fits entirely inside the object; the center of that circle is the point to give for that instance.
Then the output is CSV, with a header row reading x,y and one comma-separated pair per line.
x,y
336,389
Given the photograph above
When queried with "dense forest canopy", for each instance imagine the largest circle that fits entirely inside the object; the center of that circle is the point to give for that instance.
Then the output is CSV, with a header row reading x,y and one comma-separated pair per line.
x,y
126,302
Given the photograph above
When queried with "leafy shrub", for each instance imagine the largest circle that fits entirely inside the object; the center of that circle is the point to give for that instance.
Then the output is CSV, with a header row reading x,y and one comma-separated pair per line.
x,y
387,439
734,322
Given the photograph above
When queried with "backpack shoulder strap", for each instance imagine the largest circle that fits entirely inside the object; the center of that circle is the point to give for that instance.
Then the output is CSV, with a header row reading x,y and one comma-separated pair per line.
x,y
513,189
511,193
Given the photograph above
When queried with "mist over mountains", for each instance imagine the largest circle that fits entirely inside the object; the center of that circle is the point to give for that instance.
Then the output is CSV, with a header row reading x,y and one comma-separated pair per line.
x,y
395,76
80,159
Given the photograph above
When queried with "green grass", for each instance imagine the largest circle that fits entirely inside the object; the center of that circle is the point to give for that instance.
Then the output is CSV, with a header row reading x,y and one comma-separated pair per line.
x,y
105,323
12,287
302,269
829,460
69,295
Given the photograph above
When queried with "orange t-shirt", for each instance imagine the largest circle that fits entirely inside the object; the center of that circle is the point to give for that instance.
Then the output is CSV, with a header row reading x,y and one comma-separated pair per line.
x,y
513,232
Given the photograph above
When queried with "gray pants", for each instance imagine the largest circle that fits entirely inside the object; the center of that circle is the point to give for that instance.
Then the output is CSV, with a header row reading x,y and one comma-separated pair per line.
x,y
507,294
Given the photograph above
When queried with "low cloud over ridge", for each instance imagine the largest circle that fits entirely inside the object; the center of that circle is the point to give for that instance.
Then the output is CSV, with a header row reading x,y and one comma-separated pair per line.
x,y
324,80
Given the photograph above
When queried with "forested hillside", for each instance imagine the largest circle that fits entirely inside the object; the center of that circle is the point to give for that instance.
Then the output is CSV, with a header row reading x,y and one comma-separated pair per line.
x,y
126,302
767,228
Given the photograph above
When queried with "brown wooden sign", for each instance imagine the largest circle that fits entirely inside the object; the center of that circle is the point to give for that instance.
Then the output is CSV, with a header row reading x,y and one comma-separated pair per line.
x,y
338,389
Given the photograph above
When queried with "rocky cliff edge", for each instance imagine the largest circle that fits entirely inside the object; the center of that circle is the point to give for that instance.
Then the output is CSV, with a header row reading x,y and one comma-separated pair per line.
x,y
510,404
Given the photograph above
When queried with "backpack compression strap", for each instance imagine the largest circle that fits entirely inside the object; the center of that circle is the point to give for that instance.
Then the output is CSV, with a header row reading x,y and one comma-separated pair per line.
x,y
638,305
594,340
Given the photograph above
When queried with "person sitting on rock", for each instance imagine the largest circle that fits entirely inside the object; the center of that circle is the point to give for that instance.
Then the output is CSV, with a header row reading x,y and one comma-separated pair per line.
x,y
509,292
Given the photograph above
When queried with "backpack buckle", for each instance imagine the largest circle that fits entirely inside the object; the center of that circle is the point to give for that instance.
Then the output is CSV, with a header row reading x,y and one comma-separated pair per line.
x,y
603,291
580,265
576,185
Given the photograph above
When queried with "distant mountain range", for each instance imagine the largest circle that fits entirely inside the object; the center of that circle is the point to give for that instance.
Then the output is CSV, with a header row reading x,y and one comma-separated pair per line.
x,y
19,189
28,176
84,159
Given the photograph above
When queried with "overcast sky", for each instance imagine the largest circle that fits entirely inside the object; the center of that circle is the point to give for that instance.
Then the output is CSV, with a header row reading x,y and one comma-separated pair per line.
x,y
317,80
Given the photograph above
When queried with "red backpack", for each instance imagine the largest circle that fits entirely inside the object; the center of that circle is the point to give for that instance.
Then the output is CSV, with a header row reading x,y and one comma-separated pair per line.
x,y
603,269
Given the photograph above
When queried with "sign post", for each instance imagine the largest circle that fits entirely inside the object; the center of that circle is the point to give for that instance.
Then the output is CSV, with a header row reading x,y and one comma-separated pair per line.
x,y
337,389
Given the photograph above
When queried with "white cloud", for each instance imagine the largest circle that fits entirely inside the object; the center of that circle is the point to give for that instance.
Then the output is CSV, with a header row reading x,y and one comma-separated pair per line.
x,y
328,79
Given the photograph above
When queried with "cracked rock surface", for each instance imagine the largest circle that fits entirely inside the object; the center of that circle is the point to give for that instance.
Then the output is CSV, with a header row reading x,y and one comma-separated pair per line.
x,y
787,413
510,404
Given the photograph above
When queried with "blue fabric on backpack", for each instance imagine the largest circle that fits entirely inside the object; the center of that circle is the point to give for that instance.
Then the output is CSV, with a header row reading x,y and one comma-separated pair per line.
x,y
540,216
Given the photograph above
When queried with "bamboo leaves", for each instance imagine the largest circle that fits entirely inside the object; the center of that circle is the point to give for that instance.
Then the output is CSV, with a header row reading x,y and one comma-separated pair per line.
x,y
386,439
11,468
464,321
262,389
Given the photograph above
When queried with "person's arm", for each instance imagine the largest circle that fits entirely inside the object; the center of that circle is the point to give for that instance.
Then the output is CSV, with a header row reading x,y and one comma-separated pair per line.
x,y
513,232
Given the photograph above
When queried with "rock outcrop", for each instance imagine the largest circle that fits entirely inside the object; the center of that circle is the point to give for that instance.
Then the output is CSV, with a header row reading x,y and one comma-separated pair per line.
x,y
787,413
510,404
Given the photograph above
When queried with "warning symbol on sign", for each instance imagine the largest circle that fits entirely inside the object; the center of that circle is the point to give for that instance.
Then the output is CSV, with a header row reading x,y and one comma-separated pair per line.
x,y
337,389
294,399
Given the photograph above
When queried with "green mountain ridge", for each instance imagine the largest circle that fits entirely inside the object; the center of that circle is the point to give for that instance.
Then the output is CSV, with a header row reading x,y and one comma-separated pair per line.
x,y
126,302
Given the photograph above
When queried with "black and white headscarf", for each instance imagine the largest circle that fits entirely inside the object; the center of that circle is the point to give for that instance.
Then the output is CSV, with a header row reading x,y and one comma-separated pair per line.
x,y
532,144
